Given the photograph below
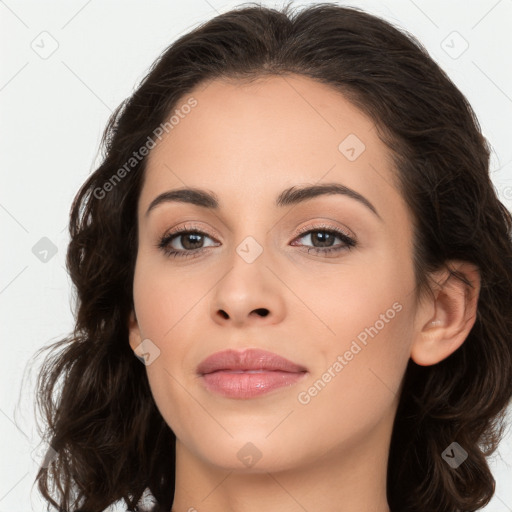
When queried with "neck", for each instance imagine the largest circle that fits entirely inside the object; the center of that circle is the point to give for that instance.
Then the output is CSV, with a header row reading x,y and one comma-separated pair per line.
x,y
348,478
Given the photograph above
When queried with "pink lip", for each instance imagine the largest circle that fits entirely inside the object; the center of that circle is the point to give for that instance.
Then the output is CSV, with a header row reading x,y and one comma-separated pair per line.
x,y
249,373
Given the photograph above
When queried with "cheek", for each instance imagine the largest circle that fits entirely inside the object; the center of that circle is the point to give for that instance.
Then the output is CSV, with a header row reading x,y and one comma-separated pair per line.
x,y
357,385
364,314
167,305
343,301
163,299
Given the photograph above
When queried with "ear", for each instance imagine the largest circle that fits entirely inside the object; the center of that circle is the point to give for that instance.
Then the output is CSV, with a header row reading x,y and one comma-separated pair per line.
x,y
446,318
135,337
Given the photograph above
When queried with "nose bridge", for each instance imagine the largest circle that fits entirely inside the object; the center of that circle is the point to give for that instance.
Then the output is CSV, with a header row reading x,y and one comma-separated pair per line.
x,y
250,233
249,290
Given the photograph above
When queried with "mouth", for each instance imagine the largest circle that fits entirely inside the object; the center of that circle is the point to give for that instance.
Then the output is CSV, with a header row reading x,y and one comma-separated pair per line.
x,y
249,373
250,383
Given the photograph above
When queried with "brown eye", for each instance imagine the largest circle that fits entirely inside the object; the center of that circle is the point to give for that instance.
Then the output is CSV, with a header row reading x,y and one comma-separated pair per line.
x,y
185,242
190,241
322,240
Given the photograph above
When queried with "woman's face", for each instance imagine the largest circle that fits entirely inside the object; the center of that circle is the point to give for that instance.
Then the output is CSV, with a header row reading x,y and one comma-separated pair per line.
x,y
275,270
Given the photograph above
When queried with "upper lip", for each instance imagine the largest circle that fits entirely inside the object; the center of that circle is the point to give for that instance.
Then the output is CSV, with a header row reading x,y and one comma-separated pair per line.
x,y
249,359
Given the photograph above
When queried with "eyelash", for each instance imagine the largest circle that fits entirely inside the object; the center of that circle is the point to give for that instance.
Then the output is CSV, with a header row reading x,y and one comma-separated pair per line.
x,y
164,242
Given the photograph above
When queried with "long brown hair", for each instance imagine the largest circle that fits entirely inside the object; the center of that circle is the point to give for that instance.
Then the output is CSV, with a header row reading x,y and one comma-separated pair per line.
x,y
110,440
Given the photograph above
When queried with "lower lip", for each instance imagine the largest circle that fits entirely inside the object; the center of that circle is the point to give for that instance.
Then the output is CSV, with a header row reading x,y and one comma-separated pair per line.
x,y
249,385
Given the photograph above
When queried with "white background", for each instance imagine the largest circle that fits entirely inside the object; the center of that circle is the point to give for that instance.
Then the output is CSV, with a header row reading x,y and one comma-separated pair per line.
x,y
53,111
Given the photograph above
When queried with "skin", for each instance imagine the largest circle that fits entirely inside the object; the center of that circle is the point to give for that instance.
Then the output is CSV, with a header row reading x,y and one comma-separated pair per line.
x,y
247,143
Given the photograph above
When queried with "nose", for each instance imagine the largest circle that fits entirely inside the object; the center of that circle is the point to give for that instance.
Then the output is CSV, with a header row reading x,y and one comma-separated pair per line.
x,y
248,294
258,311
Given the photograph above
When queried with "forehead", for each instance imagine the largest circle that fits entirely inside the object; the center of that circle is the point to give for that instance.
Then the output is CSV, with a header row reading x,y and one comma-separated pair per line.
x,y
269,116
249,139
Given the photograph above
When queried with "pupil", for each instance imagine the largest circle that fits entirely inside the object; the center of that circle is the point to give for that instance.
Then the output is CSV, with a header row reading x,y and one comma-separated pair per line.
x,y
323,238
196,240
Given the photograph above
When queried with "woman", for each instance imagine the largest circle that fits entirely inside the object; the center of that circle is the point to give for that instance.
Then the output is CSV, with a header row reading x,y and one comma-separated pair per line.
x,y
295,232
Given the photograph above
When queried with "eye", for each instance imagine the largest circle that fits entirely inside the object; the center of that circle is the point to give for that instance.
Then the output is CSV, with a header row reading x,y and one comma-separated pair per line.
x,y
184,242
323,240
189,241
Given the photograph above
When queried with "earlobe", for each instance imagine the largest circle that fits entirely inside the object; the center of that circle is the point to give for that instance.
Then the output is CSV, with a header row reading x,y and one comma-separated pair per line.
x,y
454,306
134,331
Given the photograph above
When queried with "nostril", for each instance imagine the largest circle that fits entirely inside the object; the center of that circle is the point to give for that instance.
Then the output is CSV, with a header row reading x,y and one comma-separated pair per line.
x,y
262,311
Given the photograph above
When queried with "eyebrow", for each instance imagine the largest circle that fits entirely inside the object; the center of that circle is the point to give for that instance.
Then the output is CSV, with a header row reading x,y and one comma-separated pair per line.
x,y
290,196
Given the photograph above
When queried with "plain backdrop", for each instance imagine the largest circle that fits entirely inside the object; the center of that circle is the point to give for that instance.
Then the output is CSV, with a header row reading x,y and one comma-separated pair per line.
x,y
65,67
